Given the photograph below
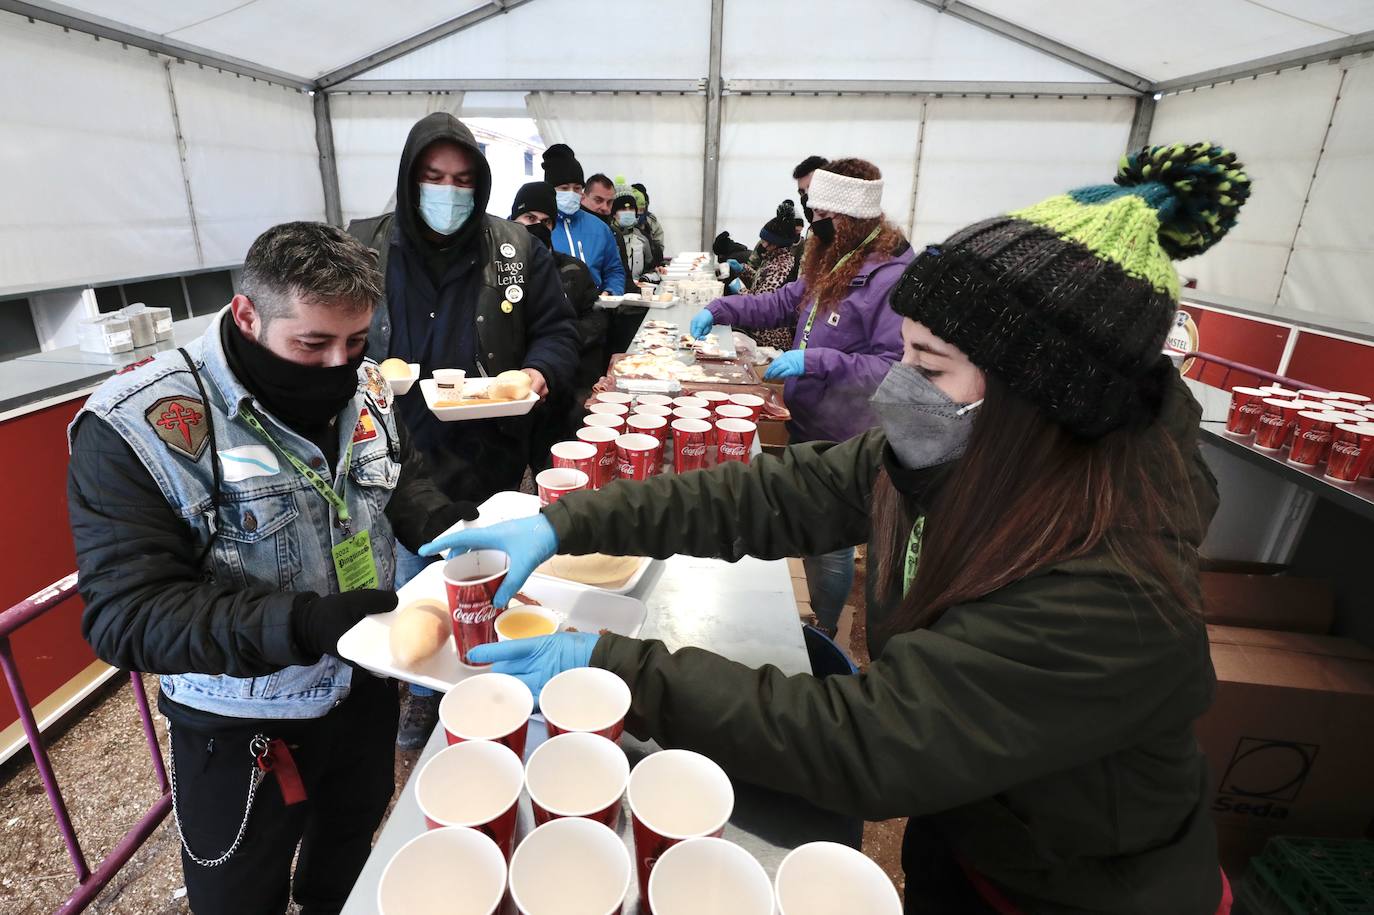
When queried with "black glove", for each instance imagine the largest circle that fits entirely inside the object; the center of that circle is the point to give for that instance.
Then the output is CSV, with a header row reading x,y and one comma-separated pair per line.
x,y
318,622
441,519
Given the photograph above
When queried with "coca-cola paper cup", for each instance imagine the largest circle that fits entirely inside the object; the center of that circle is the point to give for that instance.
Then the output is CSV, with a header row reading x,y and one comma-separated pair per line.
x,y
692,413
475,783
690,440
1352,452
489,706
657,426
821,878
1271,432
453,869
712,398
577,455
676,795
653,400
1311,438
652,409
615,397
604,441
752,401
695,403
1246,407
471,581
610,409
577,775
1347,397
1278,390
637,456
733,411
605,421
734,439
709,876
557,482
585,699
570,865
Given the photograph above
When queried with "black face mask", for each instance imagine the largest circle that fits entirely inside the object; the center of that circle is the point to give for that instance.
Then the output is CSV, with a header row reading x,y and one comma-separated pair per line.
x,y
541,232
824,230
302,396
809,213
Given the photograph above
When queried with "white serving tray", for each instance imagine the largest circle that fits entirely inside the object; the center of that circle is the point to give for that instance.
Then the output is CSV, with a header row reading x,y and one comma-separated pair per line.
x,y
368,643
429,387
507,506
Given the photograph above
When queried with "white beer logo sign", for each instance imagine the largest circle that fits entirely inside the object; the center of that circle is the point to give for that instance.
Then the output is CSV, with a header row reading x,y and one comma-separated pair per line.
x,y
482,614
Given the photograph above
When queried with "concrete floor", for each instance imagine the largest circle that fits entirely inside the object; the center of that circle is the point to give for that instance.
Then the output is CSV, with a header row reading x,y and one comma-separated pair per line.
x,y
101,761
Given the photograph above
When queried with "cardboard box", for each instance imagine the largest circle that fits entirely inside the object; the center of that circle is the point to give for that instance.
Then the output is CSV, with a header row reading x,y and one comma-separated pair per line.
x,y
1289,738
1268,602
772,432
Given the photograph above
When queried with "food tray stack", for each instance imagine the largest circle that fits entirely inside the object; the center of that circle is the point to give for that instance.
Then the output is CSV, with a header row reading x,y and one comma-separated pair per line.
x,y
1304,876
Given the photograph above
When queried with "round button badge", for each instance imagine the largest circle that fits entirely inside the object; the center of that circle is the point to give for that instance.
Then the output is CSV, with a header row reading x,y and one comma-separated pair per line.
x,y
507,250
514,294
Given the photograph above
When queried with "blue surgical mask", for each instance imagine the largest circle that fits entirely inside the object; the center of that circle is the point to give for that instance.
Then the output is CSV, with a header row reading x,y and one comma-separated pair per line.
x,y
445,208
569,202
626,218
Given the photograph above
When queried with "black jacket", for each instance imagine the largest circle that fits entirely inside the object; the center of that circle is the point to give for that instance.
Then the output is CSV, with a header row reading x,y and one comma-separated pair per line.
x,y
592,322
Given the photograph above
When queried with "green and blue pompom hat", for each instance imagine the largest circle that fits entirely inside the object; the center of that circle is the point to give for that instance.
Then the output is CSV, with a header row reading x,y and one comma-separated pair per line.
x,y
1069,300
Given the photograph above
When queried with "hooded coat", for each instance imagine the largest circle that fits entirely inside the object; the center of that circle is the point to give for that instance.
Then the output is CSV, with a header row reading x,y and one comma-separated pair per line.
x,y
445,308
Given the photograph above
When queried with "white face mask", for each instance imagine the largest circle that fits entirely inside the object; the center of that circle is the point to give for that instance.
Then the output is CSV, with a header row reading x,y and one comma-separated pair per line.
x,y
923,425
569,202
445,208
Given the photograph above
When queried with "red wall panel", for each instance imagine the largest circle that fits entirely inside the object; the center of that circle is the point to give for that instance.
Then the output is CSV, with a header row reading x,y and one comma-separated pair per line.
x,y
36,542
1236,338
1340,365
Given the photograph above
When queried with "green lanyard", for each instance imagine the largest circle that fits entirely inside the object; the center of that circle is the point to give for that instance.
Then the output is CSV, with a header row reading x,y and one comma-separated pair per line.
x,y
311,477
913,554
811,318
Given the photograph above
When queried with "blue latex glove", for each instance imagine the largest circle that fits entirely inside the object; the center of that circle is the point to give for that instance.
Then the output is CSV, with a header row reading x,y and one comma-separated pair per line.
x,y
702,322
791,364
735,287
537,661
736,268
527,541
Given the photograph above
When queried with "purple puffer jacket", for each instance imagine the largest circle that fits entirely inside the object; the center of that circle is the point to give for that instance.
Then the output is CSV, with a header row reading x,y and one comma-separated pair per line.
x,y
848,353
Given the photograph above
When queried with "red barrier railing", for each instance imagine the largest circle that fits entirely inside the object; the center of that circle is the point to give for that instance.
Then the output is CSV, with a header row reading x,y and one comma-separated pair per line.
x,y
88,883
1223,373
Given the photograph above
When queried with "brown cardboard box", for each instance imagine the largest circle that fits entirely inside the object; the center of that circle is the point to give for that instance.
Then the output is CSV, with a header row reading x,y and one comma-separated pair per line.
x,y
772,432
1268,602
1289,738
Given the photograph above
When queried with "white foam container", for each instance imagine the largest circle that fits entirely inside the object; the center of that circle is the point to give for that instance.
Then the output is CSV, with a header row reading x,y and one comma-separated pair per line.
x,y
401,386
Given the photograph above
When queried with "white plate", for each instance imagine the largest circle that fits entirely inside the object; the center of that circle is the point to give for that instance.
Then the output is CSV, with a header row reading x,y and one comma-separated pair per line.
x,y
368,643
400,386
609,299
429,388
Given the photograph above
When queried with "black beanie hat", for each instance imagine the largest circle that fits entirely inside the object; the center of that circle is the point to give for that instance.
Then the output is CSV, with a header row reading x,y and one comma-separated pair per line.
x,y
781,229
537,196
623,202
1068,301
560,166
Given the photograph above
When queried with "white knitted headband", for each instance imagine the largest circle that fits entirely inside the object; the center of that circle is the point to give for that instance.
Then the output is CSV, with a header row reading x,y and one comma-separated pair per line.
x,y
843,194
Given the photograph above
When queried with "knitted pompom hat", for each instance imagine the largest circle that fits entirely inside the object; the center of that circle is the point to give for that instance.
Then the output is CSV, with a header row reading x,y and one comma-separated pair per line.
x,y
561,165
779,230
1068,301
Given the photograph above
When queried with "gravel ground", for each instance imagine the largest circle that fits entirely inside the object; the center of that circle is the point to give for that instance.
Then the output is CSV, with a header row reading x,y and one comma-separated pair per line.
x,y
102,764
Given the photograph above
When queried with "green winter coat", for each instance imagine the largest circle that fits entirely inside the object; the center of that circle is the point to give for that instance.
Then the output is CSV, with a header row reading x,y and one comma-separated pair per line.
x,y
1042,734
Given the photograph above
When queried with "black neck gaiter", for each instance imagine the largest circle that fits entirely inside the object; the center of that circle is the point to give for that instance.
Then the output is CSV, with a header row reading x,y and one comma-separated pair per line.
x,y
305,397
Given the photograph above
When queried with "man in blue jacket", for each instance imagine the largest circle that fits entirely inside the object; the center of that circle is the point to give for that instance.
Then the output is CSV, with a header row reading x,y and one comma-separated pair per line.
x,y
578,232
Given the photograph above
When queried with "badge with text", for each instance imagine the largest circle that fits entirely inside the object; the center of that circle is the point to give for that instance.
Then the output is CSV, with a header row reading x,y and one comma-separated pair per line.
x,y
834,319
378,388
353,563
366,428
181,424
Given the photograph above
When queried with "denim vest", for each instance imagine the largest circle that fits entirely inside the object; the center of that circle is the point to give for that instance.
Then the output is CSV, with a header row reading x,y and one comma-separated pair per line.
x,y
271,529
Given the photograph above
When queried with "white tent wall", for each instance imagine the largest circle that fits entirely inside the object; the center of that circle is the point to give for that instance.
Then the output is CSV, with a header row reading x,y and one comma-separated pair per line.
x,y
653,139
1276,123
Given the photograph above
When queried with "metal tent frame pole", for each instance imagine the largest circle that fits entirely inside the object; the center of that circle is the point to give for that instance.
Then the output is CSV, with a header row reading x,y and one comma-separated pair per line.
x,y
710,170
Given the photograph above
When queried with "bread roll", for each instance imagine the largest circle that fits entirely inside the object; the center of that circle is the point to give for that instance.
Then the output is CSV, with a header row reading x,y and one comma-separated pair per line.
x,y
419,630
596,569
512,385
394,369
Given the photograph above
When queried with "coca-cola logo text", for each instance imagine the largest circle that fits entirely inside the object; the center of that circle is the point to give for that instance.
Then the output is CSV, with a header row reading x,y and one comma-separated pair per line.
x,y
483,614
694,449
735,449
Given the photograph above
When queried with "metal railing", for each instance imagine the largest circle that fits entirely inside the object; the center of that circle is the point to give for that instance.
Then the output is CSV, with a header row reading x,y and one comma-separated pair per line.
x,y
1226,369
88,883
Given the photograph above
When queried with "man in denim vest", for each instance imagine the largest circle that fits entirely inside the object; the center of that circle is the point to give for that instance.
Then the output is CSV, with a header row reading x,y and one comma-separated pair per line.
x,y
236,507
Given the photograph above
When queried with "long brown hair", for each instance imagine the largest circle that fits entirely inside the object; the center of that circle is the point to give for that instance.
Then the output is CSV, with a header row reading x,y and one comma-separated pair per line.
x,y
1027,495
828,288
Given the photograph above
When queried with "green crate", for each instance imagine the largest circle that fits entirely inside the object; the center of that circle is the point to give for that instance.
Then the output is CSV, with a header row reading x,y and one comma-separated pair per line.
x,y
1301,876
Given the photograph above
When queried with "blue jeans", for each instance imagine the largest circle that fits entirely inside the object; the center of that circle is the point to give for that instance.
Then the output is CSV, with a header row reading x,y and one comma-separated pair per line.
x,y
408,565
829,578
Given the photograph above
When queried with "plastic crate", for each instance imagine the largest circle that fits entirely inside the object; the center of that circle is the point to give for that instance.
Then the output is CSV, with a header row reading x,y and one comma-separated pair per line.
x,y
1301,876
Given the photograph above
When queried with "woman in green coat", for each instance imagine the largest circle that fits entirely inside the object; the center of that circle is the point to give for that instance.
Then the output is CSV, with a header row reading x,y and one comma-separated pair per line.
x,y
1033,505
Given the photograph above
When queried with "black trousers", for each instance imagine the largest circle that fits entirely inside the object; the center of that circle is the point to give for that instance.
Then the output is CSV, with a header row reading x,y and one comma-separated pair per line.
x,y
346,761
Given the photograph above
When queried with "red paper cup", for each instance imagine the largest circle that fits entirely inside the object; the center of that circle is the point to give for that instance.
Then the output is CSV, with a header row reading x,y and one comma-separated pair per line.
x,y
710,876
653,400
1343,415
692,413
1246,407
657,426
615,397
676,795
476,784
1311,438
557,482
570,865
471,581
691,437
605,421
585,699
734,440
453,869
609,409
493,707
753,401
733,411
637,456
652,409
577,775
1352,452
578,455
695,403
1278,390
712,397
603,440
1271,432
1350,399
824,877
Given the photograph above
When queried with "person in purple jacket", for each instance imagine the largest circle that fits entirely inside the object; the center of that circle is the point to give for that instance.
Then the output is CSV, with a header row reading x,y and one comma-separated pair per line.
x,y
846,337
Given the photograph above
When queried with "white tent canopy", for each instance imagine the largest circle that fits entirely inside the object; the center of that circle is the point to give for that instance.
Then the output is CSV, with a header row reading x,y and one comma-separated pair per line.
x,y
176,134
